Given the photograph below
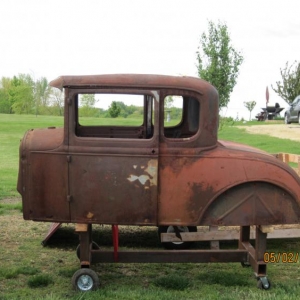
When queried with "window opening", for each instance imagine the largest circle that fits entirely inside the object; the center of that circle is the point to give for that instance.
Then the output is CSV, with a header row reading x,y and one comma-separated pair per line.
x,y
181,116
128,116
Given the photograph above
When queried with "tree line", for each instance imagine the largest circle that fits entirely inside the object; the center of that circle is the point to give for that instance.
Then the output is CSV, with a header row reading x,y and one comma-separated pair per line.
x,y
23,95
218,62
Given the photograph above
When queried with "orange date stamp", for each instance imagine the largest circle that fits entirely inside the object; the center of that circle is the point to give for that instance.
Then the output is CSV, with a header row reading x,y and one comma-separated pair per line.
x,y
283,257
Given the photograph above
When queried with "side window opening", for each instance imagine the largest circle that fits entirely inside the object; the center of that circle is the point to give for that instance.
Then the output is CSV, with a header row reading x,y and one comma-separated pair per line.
x,y
181,116
128,116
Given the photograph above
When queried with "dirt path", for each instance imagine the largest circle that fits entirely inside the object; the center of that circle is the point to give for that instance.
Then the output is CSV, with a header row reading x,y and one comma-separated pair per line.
x,y
283,131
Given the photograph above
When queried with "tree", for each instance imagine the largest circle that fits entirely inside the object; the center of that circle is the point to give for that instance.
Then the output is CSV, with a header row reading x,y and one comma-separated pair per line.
x,y
250,106
42,92
57,100
5,103
218,61
169,101
289,88
114,110
21,94
87,102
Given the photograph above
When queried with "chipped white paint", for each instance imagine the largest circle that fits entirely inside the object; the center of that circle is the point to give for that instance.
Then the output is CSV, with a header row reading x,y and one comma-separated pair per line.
x,y
151,174
142,179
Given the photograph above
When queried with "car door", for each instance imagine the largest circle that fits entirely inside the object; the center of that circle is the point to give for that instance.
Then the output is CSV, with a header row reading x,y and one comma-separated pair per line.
x,y
179,143
113,167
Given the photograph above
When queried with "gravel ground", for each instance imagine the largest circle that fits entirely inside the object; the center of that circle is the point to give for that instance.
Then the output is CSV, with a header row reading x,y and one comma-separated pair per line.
x,y
284,131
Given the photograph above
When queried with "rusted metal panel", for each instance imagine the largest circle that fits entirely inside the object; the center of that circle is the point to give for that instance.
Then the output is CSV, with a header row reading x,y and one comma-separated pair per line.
x,y
48,188
249,190
172,256
195,180
121,190
52,229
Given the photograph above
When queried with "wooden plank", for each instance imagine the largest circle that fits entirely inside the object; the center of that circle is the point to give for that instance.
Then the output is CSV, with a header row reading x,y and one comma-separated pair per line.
x,y
284,233
227,235
288,157
81,227
214,245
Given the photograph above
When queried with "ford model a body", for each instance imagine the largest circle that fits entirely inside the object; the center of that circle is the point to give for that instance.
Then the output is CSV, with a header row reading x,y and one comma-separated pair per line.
x,y
175,176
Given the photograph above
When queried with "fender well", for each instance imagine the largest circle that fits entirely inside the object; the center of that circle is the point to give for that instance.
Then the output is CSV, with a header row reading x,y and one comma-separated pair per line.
x,y
252,203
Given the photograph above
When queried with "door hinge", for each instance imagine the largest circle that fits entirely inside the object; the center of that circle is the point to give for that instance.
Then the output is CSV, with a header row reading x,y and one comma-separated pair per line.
x,y
69,198
69,158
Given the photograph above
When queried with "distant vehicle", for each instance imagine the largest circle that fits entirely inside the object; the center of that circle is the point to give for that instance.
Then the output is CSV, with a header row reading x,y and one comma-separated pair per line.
x,y
292,114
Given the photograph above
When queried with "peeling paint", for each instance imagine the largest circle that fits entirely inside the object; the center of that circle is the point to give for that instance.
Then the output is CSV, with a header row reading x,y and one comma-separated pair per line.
x,y
152,171
151,174
142,179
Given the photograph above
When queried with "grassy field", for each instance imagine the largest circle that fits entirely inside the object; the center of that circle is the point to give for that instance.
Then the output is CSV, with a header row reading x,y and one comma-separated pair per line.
x,y
30,271
12,129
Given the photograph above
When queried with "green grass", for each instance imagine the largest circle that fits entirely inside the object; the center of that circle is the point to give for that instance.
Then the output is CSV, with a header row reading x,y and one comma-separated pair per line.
x,y
30,271
263,142
12,129
5,208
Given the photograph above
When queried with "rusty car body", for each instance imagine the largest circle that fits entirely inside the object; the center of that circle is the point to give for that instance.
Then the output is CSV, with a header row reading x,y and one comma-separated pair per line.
x,y
153,174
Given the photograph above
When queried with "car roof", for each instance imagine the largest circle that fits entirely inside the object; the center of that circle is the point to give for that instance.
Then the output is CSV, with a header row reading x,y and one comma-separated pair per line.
x,y
132,80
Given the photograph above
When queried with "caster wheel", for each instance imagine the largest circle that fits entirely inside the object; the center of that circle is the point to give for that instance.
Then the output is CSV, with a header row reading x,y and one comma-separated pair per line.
x,y
171,229
85,280
94,247
263,283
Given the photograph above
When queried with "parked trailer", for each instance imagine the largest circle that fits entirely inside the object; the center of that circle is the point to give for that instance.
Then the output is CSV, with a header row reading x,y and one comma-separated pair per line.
x,y
173,175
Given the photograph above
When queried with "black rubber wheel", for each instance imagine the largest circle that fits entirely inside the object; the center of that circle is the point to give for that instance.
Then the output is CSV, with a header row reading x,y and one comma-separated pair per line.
x,y
176,245
85,280
95,246
261,286
286,119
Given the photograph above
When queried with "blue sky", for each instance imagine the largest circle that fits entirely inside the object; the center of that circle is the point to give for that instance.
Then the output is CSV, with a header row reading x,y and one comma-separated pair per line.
x,y
66,37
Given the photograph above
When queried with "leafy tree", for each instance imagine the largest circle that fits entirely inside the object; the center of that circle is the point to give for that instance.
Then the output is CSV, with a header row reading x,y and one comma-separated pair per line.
x,y
169,101
289,88
218,61
87,102
21,94
114,110
250,106
5,103
126,110
57,100
42,92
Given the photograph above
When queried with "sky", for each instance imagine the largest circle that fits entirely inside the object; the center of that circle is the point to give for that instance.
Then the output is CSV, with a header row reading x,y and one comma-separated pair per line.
x,y
72,37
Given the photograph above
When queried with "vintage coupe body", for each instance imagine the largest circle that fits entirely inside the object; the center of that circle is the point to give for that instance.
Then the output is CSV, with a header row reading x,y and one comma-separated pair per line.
x,y
155,173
